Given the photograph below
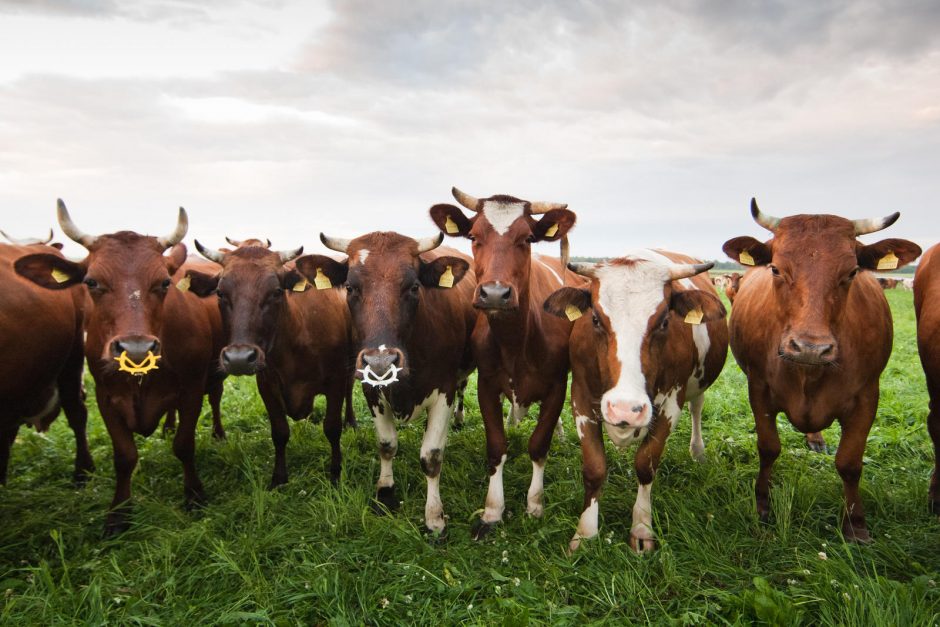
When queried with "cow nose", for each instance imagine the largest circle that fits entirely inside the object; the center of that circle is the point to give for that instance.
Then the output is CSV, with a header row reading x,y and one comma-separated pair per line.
x,y
137,347
627,413
810,350
380,361
494,296
240,359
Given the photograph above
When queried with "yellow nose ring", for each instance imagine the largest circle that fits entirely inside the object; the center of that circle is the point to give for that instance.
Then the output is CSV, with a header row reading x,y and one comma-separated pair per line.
x,y
138,370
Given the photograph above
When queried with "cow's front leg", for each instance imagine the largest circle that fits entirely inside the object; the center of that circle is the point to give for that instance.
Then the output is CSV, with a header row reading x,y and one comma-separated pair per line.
x,y
491,408
388,448
432,456
125,460
849,464
642,538
184,447
594,471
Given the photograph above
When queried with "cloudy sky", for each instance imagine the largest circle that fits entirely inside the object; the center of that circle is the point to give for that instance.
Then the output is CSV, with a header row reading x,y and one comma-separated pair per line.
x,y
655,121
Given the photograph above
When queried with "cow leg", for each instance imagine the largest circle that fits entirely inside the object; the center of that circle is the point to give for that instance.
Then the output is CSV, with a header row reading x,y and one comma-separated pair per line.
x,y
491,408
646,462
388,448
516,414
697,443
539,443
594,472
350,410
125,460
768,449
215,403
72,399
458,413
815,442
849,464
333,430
169,423
280,430
432,457
933,427
7,436
184,447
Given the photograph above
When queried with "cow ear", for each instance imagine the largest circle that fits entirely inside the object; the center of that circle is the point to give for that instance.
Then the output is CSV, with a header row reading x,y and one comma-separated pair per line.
x,y
324,272
199,283
442,272
176,258
554,225
56,245
696,306
887,254
49,271
451,220
290,278
568,302
748,251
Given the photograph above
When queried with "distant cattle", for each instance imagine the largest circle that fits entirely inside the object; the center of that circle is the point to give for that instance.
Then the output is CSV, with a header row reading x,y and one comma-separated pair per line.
x,y
812,331
906,284
41,343
521,351
732,285
411,311
926,297
151,348
295,339
649,336
887,284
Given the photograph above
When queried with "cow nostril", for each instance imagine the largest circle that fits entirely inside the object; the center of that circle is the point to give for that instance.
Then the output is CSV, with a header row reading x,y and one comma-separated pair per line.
x,y
825,350
251,356
482,292
637,408
506,294
794,346
393,358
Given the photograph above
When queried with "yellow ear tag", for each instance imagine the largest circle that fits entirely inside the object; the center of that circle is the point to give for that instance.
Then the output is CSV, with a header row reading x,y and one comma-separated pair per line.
x,y
321,280
59,276
301,285
888,262
183,284
695,316
745,259
450,226
447,279
551,230
572,312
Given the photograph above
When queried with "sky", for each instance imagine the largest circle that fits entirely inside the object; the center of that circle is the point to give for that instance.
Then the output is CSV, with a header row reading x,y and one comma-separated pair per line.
x,y
655,121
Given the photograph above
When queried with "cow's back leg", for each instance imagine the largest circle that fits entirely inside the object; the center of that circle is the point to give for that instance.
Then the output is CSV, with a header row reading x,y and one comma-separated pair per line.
x,y
184,445
539,443
933,427
214,390
646,462
349,382
594,471
491,409
72,398
333,427
458,412
432,458
125,461
696,442
7,437
849,464
768,446
388,448
169,422
815,442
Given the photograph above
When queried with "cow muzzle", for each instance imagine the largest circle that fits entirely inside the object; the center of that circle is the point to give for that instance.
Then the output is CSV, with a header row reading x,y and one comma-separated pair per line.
x,y
495,296
811,351
380,366
630,413
241,359
135,354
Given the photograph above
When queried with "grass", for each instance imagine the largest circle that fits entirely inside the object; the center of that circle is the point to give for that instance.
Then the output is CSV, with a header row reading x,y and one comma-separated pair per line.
x,y
311,553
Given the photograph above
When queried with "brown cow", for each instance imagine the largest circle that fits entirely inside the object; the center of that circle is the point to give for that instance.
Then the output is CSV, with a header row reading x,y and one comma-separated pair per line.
x,y
150,348
887,284
731,286
521,351
413,320
41,371
655,339
812,331
295,340
926,294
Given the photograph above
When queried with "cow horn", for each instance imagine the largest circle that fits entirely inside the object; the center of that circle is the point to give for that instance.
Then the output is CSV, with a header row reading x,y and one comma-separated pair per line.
x,y
872,225
685,270
237,243
338,244
28,241
544,207
767,221
430,243
210,253
68,227
466,200
583,268
174,238
289,255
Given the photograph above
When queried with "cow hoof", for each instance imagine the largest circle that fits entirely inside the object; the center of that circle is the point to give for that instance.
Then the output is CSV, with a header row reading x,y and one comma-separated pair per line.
x,y
385,501
935,507
81,477
277,481
481,529
116,525
219,435
642,544
763,517
574,544
334,479
195,500
856,535
436,536
352,424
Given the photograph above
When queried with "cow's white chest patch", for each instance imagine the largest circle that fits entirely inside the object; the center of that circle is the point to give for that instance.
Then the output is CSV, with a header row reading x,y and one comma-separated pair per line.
x,y
667,404
501,215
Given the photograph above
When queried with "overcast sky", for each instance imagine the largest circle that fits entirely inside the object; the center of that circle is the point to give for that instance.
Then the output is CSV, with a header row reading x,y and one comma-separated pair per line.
x,y
656,122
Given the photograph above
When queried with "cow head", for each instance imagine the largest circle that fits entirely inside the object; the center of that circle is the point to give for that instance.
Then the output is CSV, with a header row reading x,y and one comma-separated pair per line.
x,y
385,279
127,276
626,329
503,230
814,260
252,292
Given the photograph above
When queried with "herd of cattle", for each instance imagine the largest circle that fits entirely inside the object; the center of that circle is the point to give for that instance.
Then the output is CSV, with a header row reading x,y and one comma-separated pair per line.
x,y
641,335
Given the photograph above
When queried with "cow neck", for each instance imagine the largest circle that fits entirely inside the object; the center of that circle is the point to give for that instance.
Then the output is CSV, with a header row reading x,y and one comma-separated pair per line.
x,y
512,330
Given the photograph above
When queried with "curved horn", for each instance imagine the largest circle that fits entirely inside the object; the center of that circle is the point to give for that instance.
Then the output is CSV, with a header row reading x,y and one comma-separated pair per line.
x,y
685,270
430,243
583,268
872,225
68,227
28,241
210,253
338,244
234,242
767,221
174,238
289,255
466,200
545,207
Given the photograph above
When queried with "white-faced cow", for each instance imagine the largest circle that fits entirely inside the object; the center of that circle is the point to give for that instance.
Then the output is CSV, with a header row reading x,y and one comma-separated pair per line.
x,y
926,297
520,350
412,316
812,331
649,336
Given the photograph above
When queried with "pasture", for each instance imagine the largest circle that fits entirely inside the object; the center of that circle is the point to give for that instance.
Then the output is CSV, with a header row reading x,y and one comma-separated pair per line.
x,y
311,553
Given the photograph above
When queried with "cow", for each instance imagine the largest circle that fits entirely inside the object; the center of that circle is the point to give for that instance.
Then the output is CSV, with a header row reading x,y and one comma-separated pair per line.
x,y
296,341
520,350
812,331
732,284
41,342
412,317
888,284
150,347
649,335
926,293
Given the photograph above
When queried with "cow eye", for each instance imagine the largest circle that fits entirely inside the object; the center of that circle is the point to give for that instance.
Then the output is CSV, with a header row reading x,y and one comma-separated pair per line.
x,y
351,289
665,323
91,283
596,321
852,274
415,287
775,270
166,284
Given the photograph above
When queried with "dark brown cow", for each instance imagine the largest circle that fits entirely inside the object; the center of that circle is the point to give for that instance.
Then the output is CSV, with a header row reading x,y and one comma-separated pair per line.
x,y
732,286
887,284
521,351
294,339
649,336
413,319
150,347
926,297
41,343
812,331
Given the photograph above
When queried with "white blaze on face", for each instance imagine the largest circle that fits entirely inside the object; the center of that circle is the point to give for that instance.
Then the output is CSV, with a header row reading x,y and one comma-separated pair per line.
x,y
501,215
362,255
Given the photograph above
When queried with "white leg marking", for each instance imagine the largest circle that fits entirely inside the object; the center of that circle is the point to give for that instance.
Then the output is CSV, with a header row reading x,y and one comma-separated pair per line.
x,y
536,488
642,528
516,413
560,430
579,422
587,526
388,444
432,456
495,503
697,444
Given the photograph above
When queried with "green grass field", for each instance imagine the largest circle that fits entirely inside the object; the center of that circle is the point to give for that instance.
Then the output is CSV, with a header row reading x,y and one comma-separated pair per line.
x,y
310,553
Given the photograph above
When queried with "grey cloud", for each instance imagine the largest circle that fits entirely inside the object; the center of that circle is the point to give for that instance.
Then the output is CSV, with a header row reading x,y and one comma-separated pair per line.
x,y
179,13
